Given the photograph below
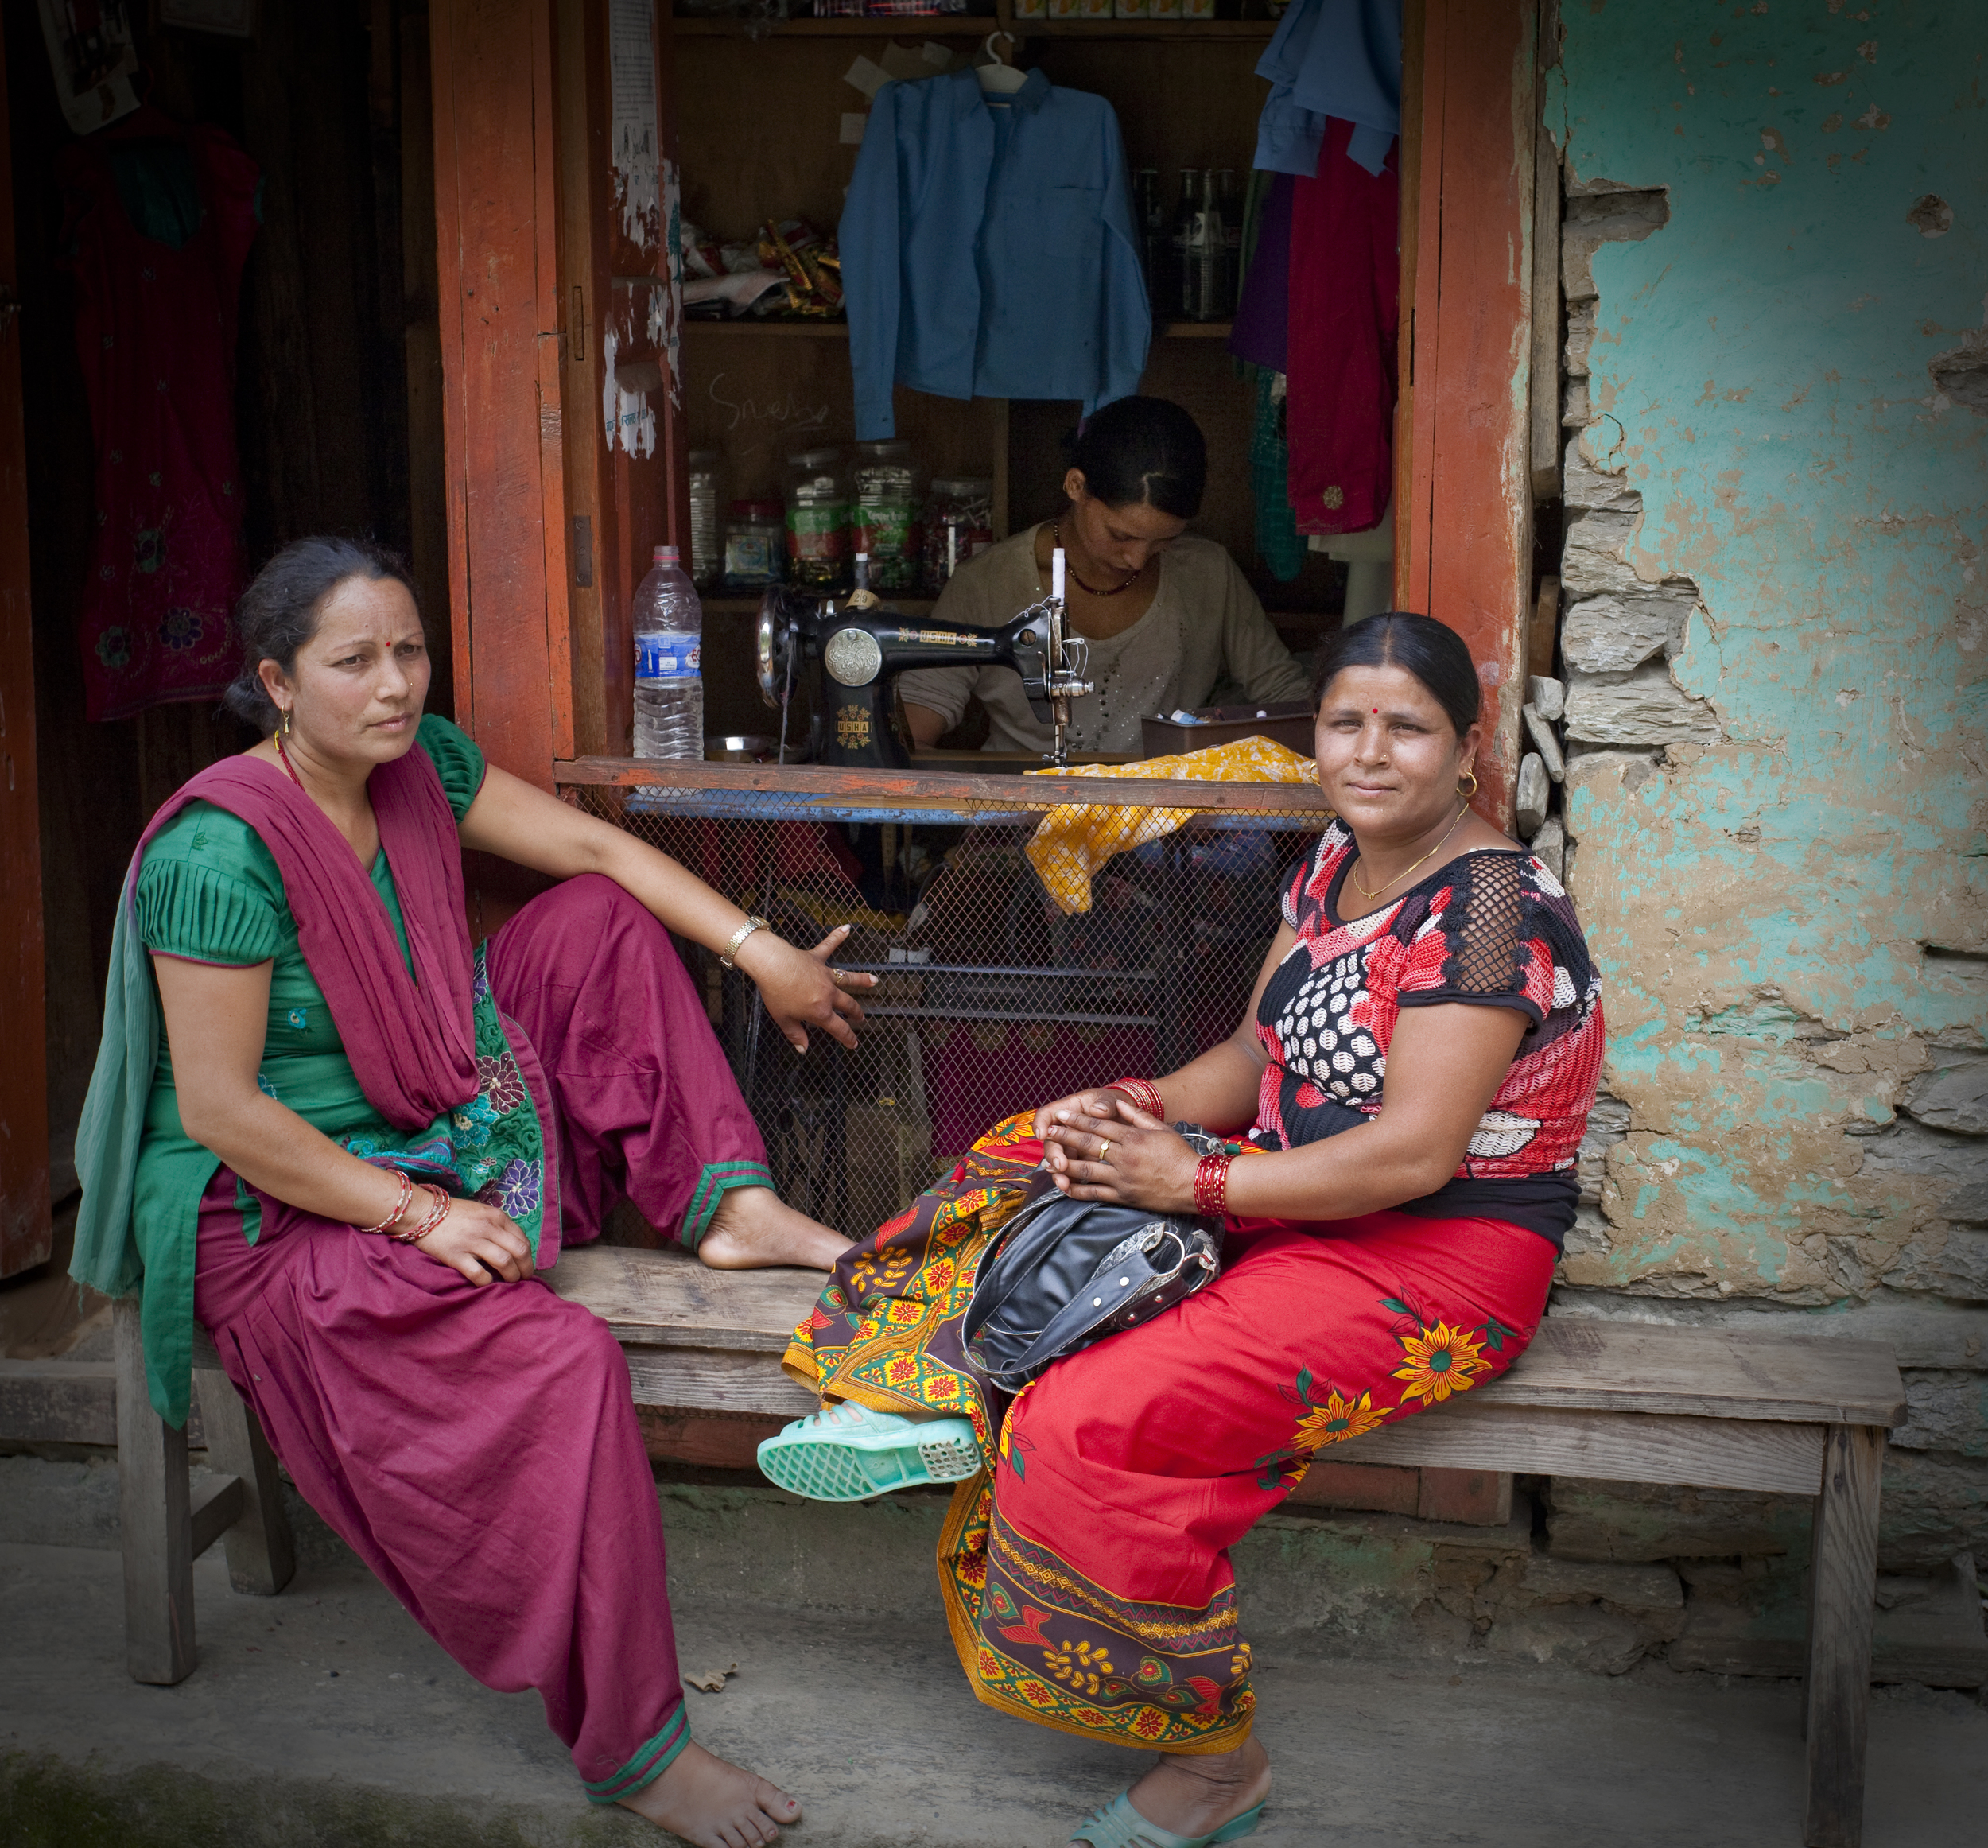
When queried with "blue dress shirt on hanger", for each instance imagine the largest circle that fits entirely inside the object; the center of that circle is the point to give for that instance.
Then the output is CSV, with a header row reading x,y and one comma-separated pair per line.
x,y
988,249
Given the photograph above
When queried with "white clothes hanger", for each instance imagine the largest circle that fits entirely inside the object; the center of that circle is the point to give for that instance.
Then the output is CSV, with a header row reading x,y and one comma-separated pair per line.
x,y
998,79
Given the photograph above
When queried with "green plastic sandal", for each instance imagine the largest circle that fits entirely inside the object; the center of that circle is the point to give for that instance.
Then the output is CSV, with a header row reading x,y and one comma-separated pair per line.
x,y
1118,1825
848,1453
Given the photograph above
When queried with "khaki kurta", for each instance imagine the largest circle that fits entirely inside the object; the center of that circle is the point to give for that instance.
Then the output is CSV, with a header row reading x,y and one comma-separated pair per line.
x,y
1204,623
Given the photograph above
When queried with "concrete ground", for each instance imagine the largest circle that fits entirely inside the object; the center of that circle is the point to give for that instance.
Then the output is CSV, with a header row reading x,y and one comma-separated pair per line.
x,y
324,1717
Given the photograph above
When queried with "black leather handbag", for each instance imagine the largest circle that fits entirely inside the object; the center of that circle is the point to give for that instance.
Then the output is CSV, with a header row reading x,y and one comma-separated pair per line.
x,y
1069,1272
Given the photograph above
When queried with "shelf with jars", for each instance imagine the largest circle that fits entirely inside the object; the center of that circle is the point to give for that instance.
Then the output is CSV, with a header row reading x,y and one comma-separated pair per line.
x,y
760,127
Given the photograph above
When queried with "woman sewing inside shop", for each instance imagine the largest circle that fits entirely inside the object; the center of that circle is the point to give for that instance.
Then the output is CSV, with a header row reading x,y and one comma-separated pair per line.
x,y
1168,616
1405,1093
360,1138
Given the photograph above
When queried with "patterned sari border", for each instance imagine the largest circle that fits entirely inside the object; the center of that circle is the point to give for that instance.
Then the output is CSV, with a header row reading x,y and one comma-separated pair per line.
x,y
649,1762
718,1179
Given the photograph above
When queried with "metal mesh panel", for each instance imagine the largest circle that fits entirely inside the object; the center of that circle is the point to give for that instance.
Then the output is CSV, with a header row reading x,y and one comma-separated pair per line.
x,y
991,999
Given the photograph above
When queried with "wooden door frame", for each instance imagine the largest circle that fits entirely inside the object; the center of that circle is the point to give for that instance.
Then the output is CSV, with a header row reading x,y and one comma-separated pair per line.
x,y
1463,493
497,255
24,1229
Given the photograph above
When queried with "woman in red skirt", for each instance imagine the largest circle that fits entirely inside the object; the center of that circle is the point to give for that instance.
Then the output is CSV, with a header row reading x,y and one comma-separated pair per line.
x,y
1406,1092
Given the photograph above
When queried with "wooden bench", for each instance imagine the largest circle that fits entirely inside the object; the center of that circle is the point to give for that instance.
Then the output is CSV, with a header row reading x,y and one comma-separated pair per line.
x,y
164,1526
1622,1401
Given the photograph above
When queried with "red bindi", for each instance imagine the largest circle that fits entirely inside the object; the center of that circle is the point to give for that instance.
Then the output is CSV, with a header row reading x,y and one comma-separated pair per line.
x,y
1377,708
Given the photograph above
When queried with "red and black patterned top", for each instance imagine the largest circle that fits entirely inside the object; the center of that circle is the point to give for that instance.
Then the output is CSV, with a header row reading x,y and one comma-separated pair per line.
x,y
1491,929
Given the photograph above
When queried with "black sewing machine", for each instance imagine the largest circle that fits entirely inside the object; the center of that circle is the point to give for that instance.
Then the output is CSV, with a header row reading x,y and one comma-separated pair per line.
x,y
862,647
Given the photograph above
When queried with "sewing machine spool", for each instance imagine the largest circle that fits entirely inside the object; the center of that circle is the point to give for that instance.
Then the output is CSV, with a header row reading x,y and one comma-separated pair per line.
x,y
863,647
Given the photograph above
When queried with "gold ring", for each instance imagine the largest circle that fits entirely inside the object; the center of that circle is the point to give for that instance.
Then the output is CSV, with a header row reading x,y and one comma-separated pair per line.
x,y
1104,1150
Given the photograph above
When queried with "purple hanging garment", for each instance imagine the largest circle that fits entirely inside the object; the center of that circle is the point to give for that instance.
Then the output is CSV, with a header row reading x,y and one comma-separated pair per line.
x,y
1261,335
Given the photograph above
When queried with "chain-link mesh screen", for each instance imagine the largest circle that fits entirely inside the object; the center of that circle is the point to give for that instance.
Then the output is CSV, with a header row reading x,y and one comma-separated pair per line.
x,y
991,999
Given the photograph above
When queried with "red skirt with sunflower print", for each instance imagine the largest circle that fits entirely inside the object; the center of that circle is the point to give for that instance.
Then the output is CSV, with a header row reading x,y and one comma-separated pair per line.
x,y
1086,1571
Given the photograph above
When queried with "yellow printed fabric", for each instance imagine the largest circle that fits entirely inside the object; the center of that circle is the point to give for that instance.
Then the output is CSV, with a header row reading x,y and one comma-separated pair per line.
x,y
1075,839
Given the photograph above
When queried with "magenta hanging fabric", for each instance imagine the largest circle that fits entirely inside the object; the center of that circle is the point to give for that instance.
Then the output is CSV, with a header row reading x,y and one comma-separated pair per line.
x,y
159,223
1345,308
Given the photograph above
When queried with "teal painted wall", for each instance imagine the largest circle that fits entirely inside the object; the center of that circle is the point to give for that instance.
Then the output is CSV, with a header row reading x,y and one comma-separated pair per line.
x,y
1792,919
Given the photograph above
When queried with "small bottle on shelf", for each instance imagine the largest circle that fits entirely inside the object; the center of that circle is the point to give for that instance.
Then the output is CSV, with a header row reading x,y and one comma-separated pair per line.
x,y
707,536
1153,243
1184,294
1231,196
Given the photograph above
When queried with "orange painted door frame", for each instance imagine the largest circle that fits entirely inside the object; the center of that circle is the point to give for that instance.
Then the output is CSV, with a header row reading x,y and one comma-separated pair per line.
x,y
497,286
24,1090
1463,494
565,463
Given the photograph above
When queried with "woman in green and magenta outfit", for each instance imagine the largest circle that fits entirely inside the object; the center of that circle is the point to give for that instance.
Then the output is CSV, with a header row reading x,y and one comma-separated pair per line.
x,y
360,1137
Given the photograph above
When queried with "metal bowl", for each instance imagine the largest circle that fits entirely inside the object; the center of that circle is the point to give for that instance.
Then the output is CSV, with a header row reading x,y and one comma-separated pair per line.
x,y
741,748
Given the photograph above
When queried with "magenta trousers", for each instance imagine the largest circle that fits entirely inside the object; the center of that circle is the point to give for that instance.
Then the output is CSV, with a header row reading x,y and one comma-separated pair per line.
x,y
477,1446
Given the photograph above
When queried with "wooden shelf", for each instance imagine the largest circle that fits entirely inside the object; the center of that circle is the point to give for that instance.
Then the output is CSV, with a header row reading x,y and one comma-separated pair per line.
x,y
978,25
835,330
818,330
1161,29
914,25
749,606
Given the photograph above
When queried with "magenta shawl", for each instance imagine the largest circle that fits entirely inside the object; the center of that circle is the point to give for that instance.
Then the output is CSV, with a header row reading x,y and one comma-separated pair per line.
x,y
412,1040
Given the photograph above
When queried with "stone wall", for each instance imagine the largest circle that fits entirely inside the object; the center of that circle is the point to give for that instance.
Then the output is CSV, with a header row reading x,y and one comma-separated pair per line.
x,y
1773,609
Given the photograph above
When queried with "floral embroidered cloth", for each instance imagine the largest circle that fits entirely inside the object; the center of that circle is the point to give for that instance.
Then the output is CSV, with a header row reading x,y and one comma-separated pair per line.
x,y
1086,1571
1074,841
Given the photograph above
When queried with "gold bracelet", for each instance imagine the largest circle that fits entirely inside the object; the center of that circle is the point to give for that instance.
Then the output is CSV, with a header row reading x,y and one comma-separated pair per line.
x,y
728,957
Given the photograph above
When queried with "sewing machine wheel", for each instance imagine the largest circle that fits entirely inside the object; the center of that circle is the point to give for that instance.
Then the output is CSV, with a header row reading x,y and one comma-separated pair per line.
x,y
777,640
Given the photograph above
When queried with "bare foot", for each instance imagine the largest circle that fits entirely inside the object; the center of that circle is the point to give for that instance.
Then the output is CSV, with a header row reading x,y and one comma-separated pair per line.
x,y
1196,1794
753,1226
713,1804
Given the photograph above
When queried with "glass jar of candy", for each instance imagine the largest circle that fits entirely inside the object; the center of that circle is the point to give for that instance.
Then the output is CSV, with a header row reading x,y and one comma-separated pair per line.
x,y
818,546
888,520
755,547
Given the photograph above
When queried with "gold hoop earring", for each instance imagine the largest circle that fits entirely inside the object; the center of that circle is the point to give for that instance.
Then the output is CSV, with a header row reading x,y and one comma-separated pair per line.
x,y
1469,794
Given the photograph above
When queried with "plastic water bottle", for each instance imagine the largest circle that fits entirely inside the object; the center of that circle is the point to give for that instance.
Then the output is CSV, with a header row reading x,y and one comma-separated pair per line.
x,y
669,623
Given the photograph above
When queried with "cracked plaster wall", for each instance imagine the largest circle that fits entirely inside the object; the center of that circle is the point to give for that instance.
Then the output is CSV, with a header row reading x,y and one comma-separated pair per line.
x,y
1776,640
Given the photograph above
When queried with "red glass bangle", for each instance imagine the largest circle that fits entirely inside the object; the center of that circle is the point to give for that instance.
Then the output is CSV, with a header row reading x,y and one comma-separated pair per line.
x,y
1211,1185
433,1217
400,1206
1144,1095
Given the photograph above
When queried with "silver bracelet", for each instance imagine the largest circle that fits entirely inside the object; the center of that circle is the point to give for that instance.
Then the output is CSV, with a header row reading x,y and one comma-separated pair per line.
x,y
728,957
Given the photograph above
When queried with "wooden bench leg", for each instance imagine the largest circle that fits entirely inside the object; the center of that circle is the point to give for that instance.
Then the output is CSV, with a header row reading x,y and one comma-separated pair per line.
x,y
155,1514
261,1559
1842,1582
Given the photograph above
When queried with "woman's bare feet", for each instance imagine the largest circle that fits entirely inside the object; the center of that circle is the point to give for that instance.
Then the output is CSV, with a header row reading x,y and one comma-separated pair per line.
x,y
713,1804
753,1226
1197,1794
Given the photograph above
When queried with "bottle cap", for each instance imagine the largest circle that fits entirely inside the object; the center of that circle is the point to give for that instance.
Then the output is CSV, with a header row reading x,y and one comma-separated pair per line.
x,y
665,555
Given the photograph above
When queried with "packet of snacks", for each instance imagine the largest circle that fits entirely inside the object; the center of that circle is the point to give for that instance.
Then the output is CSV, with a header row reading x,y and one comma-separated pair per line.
x,y
809,262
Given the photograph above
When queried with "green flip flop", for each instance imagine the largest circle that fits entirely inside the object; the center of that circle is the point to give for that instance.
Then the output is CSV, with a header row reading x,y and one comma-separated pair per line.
x,y
848,1453
1118,1825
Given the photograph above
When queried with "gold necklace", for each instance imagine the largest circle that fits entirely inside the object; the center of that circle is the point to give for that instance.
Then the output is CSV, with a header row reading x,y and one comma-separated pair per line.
x,y
1405,873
